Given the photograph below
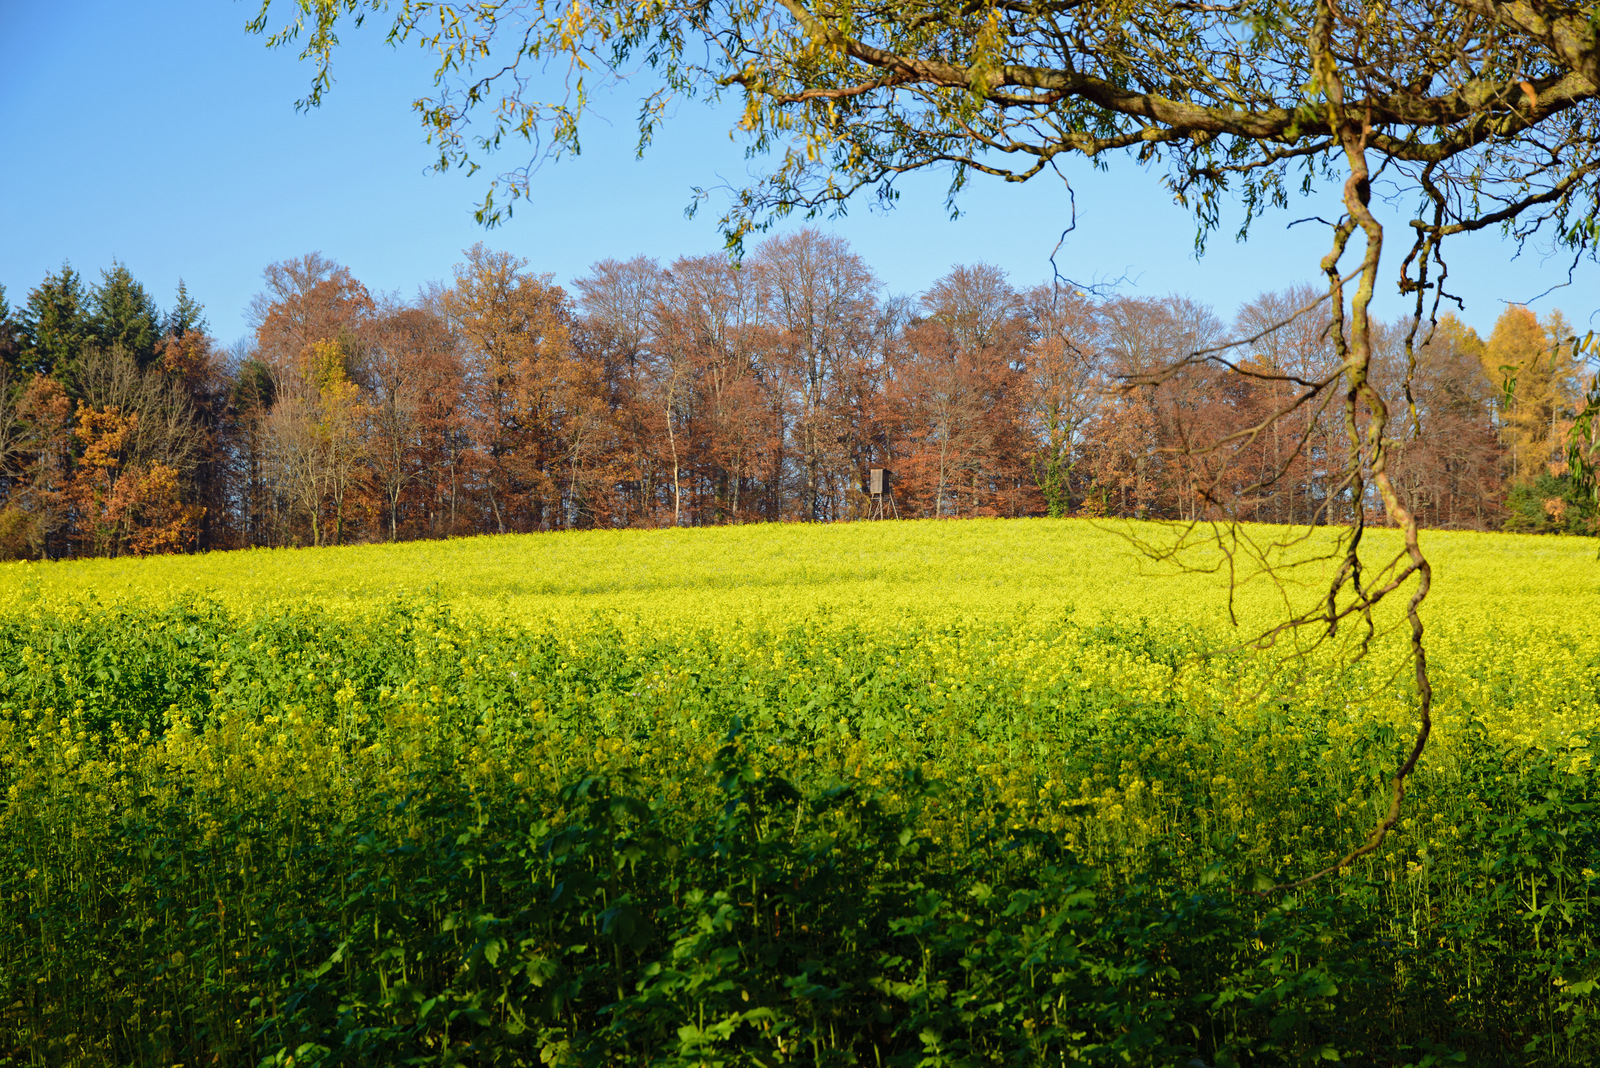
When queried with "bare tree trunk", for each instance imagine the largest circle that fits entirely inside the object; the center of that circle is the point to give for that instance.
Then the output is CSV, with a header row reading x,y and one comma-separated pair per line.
x,y
494,505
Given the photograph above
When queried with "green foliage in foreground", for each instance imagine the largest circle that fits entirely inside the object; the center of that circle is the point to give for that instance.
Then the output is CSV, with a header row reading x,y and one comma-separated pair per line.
x,y
414,838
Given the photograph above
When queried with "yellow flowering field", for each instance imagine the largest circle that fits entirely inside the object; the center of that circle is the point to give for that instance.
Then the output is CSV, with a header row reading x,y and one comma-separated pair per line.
x,y
922,793
963,569
1513,611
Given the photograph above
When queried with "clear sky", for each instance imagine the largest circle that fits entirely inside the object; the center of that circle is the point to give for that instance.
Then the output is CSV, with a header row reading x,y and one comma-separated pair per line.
x,y
162,135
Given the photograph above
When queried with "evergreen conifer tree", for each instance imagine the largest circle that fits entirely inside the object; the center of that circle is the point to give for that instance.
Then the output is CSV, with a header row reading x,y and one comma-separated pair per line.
x,y
187,314
10,337
122,314
55,326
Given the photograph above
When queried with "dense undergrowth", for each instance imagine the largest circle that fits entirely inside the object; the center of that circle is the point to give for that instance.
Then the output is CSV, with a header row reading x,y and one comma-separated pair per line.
x,y
414,836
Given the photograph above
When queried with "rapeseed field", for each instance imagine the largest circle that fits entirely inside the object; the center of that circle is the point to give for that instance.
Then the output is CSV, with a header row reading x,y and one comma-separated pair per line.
x,y
1000,792
976,568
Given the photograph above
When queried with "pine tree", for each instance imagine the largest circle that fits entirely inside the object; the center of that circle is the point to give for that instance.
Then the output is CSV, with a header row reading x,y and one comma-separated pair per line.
x,y
187,315
122,314
10,339
55,326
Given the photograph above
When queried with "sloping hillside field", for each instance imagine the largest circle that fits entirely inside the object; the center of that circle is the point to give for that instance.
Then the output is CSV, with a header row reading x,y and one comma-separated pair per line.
x,y
881,794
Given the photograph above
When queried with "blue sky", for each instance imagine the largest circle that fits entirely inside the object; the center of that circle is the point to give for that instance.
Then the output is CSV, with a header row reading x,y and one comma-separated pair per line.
x,y
164,136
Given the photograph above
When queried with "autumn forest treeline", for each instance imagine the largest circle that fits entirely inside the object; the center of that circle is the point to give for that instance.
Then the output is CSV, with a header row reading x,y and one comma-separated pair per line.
x,y
704,391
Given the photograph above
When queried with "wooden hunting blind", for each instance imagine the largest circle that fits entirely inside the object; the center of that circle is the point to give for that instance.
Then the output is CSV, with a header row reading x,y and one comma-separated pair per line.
x,y
882,501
